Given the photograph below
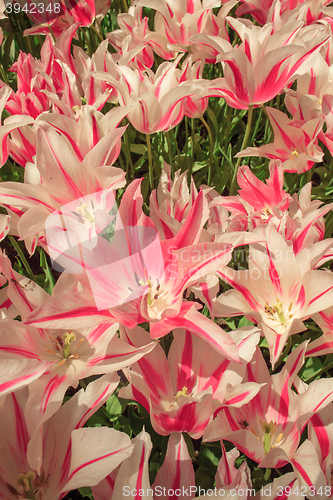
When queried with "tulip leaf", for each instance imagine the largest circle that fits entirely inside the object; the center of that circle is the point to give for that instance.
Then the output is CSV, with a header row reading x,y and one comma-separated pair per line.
x,y
204,479
210,454
86,492
115,406
244,322
122,424
49,280
189,444
311,366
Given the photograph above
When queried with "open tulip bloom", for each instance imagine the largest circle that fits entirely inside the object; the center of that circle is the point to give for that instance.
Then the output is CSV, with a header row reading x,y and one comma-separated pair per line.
x,y
166,230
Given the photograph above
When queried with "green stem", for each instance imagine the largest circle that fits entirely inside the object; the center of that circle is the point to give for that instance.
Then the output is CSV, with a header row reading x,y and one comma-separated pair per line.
x,y
227,118
267,475
87,39
32,52
319,372
189,175
169,150
53,35
22,257
3,74
285,351
97,33
162,343
83,384
150,163
211,150
123,166
244,144
176,144
186,143
128,153
264,110
125,6
309,175
40,40
258,121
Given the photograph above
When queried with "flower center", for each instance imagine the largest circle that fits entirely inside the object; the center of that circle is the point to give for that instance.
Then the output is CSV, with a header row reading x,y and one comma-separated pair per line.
x,y
64,348
268,436
153,292
269,431
85,217
295,153
67,338
276,312
183,392
266,213
31,484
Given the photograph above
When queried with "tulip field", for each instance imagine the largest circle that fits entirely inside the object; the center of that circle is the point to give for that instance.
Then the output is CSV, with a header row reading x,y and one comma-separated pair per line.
x,y
166,263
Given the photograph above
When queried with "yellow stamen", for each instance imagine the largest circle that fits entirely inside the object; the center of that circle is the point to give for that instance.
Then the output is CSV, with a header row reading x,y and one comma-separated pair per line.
x,y
279,438
183,392
68,338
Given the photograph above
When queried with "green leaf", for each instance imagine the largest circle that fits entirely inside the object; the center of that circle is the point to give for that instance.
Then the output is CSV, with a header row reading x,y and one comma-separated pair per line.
x,y
115,406
213,120
139,149
122,424
9,51
12,172
49,280
189,443
244,322
99,418
263,342
210,454
311,366
231,323
199,165
204,479
86,492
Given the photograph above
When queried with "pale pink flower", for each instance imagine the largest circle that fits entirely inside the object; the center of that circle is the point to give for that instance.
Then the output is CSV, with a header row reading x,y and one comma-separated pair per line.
x,y
303,223
268,429
69,455
50,360
65,171
297,218
160,95
79,12
183,391
46,83
263,65
4,226
171,202
130,41
178,21
192,69
324,344
9,125
139,278
175,478
257,201
286,487
96,91
320,432
22,142
314,90
279,289
264,11
295,142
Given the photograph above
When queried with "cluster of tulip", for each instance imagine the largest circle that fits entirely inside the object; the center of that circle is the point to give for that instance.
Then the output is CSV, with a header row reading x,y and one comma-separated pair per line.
x,y
150,264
